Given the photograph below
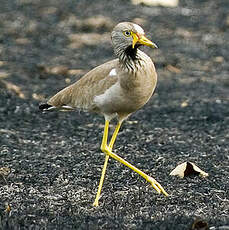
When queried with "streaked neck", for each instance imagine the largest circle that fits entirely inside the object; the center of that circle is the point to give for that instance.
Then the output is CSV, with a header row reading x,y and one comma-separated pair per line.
x,y
129,58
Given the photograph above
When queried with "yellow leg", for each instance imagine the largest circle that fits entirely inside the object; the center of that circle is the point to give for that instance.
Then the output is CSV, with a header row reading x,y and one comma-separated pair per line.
x,y
96,202
107,150
151,180
114,136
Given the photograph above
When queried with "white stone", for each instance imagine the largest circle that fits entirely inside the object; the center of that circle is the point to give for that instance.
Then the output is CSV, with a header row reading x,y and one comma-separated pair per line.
x,y
165,3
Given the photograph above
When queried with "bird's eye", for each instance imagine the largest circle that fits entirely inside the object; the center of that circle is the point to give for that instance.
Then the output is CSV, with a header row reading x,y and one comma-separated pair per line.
x,y
127,33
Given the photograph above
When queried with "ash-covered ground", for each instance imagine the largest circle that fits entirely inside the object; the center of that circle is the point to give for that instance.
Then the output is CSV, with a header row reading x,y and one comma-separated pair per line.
x,y
55,158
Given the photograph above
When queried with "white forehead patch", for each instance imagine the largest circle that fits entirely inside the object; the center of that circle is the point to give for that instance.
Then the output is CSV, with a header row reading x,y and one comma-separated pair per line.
x,y
113,73
138,29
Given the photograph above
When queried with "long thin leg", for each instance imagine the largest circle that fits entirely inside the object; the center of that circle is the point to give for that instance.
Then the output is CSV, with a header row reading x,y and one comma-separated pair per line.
x,y
114,136
107,150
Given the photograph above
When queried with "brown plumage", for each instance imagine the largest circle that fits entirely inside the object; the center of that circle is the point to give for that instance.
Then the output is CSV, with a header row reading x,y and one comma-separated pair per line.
x,y
114,89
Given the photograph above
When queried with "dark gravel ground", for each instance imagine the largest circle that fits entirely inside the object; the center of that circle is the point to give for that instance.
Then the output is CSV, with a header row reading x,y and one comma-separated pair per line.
x,y
55,159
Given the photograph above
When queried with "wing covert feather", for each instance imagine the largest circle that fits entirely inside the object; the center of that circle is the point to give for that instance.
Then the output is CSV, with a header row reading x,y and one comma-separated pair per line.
x,y
81,93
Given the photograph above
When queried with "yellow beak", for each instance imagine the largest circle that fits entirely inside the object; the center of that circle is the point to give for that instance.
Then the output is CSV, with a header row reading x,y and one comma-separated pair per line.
x,y
141,39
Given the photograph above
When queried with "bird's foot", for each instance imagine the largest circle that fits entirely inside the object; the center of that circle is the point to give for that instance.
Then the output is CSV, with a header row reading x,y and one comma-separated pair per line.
x,y
157,186
96,203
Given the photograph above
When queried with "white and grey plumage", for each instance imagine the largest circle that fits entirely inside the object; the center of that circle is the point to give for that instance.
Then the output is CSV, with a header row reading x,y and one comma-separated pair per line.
x,y
115,89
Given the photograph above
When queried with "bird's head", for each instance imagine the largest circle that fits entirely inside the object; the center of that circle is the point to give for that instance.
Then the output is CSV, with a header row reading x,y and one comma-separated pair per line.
x,y
127,35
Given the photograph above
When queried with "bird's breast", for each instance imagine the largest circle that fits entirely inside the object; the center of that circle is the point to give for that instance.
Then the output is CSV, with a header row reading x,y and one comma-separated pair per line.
x,y
139,86
128,94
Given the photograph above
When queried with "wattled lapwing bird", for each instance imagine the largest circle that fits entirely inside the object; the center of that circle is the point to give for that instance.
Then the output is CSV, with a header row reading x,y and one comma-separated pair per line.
x,y
115,89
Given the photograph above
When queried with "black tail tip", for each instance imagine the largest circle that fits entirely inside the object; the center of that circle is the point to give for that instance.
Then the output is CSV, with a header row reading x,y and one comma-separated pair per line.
x,y
44,107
